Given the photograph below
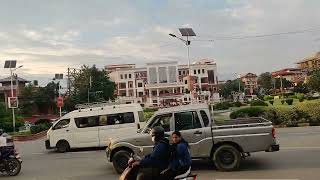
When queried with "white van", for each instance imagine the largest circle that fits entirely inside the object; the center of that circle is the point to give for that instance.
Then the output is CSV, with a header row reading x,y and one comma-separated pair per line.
x,y
93,127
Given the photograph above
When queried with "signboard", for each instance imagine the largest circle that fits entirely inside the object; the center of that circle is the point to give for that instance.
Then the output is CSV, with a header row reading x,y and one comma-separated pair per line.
x,y
12,102
60,101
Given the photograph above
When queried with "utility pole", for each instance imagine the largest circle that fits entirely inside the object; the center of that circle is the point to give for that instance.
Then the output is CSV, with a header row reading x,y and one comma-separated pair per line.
x,y
90,84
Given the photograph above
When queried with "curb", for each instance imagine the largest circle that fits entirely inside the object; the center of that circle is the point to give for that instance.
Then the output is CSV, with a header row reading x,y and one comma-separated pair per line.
x,y
31,137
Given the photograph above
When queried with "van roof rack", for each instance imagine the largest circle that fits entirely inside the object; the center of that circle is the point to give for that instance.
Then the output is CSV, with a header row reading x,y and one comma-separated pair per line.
x,y
97,104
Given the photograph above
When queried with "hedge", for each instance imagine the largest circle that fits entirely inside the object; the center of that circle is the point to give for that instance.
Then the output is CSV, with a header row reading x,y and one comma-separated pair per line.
x,y
258,103
289,101
40,127
305,112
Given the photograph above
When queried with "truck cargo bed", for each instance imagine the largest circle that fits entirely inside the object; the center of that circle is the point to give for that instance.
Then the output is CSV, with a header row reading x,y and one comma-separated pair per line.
x,y
242,122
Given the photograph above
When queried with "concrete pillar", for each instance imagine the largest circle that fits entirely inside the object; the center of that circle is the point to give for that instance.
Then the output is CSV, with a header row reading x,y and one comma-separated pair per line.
x,y
150,96
158,97
127,88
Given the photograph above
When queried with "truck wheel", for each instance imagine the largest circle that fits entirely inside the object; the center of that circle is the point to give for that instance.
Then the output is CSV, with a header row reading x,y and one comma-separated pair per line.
x,y
120,161
62,146
227,158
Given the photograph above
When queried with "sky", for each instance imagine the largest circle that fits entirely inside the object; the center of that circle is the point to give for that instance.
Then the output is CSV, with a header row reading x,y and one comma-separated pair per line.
x,y
47,37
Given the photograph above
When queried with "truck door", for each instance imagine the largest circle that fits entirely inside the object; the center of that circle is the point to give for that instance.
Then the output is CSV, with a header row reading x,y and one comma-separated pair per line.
x,y
190,126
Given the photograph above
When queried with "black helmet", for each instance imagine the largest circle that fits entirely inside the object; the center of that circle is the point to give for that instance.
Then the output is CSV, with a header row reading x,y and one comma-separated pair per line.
x,y
157,132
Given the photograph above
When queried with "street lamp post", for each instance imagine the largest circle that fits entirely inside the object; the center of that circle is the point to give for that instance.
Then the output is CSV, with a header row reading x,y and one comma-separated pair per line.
x,y
188,32
59,77
11,64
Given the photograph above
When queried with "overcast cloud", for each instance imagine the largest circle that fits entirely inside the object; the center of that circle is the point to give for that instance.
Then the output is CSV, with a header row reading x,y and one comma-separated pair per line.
x,y
49,36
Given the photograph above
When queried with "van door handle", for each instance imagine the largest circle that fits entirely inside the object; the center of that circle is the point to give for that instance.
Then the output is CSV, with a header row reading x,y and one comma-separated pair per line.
x,y
197,133
67,130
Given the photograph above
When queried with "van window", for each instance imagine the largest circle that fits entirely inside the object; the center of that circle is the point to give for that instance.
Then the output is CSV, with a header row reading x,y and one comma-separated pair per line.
x,y
205,118
187,120
63,123
84,122
141,116
113,119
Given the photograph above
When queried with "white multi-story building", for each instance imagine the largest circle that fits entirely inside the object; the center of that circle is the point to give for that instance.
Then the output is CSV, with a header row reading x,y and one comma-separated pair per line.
x,y
165,83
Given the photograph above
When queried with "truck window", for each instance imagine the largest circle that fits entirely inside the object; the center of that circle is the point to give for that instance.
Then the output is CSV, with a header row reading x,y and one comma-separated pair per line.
x,y
62,124
187,120
205,118
85,122
114,119
163,121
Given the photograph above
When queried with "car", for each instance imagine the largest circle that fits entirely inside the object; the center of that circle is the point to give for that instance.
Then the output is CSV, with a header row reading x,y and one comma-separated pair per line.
x,y
224,143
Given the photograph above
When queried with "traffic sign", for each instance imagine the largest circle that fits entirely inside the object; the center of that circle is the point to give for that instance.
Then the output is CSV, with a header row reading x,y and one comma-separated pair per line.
x,y
13,102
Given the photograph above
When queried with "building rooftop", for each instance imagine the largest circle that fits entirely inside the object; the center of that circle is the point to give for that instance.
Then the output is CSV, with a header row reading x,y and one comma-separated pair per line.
x,y
249,75
316,56
8,79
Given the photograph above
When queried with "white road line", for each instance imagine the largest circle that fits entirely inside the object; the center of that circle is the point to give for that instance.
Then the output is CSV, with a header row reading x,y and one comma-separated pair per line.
x,y
303,133
299,148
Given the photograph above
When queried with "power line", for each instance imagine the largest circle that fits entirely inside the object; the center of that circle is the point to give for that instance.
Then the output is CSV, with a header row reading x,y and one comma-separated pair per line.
x,y
222,38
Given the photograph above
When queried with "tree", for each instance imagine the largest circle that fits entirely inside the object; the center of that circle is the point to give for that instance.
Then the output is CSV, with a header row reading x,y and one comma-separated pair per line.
x,y
285,83
314,81
230,86
265,81
6,119
101,88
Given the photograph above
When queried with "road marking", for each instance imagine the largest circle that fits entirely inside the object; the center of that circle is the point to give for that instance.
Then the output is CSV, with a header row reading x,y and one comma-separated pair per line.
x,y
299,148
302,133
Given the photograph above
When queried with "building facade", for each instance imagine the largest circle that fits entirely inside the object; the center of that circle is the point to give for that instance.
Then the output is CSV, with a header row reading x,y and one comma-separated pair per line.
x,y
165,83
250,81
294,75
5,88
310,63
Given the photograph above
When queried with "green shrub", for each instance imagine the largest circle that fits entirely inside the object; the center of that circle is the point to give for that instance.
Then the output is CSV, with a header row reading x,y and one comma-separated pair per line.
x,y
292,97
247,112
222,106
289,101
271,102
258,103
267,98
312,109
237,104
282,101
39,128
300,96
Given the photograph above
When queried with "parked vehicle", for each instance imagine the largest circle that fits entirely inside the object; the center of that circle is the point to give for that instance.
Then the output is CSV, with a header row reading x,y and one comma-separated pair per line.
x,y
224,143
92,127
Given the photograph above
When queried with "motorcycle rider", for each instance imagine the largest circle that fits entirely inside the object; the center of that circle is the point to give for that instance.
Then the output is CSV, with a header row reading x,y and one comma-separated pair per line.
x,y
3,141
180,161
153,164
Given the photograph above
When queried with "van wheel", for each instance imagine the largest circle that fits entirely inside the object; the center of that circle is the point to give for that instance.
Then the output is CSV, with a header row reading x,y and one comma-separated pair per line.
x,y
227,158
62,146
120,161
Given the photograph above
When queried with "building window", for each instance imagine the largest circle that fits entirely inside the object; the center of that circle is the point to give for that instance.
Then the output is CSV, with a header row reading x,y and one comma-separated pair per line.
x,y
122,85
202,71
179,73
163,74
196,81
126,76
172,74
130,85
155,101
129,76
194,71
140,94
198,71
183,72
121,76
153,75
185,81
139,84
154,93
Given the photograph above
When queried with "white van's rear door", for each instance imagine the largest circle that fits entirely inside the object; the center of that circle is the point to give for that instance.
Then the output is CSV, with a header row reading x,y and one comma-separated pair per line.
x,y
87,131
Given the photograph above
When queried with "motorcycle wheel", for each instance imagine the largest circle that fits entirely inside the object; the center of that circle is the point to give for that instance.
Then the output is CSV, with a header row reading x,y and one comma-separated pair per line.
x,y
13,166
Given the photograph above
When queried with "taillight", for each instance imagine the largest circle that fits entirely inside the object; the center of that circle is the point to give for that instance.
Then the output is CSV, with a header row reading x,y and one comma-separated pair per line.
x,y
273,132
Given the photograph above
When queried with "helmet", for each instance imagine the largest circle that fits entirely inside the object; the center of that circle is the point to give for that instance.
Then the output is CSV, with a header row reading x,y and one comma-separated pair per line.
x,y
157,132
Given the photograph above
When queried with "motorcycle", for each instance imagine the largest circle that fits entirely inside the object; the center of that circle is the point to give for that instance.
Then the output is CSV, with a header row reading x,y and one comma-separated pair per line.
x,y
130,173
10,161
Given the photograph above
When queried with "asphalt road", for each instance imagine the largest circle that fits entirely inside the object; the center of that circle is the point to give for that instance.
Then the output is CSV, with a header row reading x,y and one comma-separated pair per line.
x,y
299,158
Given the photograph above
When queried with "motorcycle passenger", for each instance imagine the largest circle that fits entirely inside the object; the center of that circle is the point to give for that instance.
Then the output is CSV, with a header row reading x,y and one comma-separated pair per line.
x,y
180,161
153,164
